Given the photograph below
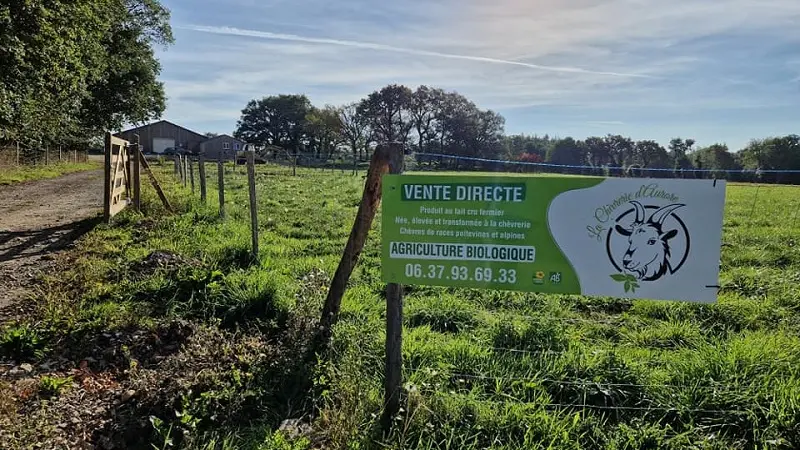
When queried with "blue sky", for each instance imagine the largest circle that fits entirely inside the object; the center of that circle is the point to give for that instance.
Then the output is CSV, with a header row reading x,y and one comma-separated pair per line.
x,y
714,70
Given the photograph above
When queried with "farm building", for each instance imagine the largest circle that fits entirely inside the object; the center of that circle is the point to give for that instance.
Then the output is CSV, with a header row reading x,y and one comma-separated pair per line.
x,y
222,145
159,136
162,135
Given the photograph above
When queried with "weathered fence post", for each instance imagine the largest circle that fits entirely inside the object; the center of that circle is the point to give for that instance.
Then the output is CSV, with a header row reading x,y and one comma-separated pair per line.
x,y
75,154
384,158
137,186
221,185
59,153
107,180
175,163
191,172
185,167
251,182
201,163
125,154
394,354
394,330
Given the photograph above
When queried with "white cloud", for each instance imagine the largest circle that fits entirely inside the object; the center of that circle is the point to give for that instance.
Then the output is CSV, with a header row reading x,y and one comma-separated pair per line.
x,y
390,48
605,57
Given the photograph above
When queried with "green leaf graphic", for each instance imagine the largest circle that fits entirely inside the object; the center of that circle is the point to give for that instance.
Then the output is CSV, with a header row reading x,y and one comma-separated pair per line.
x,y
627,286
619,277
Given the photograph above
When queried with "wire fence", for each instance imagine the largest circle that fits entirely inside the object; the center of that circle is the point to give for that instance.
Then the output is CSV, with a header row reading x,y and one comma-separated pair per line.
x,y
755,204
436,162
21,155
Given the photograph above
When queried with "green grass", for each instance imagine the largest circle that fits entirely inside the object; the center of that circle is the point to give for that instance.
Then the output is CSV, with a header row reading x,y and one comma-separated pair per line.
x,y
482,369
18,174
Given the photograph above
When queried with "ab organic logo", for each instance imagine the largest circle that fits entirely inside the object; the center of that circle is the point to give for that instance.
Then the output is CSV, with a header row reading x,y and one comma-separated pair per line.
x,y
644,241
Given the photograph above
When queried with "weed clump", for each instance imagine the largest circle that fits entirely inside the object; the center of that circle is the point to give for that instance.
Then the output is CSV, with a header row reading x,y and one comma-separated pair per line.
x,y
22,343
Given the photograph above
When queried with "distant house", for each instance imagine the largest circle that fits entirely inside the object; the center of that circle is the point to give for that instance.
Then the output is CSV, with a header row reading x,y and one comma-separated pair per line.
x,y
162,135
222,145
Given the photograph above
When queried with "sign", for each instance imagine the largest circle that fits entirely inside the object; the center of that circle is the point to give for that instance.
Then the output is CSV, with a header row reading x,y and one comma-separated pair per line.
x,y
619,237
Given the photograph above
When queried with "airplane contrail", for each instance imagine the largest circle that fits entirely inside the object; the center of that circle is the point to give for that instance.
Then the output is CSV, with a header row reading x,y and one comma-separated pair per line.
x,y
389,48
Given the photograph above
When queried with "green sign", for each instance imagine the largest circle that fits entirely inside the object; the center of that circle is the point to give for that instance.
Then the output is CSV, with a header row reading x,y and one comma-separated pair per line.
x,y
571,235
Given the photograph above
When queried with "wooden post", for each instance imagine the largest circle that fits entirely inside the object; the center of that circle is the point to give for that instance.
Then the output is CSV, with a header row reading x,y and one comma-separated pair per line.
x,y
251,182
127,154
394,355
221,185
59,153
175,163
394,331
137,182
107,183
191,172
383,159
75,154
202,169
185,167
17,152
153,180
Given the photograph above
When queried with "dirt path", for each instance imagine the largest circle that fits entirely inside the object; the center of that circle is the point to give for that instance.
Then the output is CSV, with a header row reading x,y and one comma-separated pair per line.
x,y
39,218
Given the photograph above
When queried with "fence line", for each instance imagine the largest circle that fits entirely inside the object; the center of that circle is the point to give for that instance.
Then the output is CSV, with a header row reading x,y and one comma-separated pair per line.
x,y
421,161
616,168
13,156
574,382
560,406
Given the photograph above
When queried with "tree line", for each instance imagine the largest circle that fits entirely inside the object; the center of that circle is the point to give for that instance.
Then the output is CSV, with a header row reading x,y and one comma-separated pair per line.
x,y
423,120
447,130
71,69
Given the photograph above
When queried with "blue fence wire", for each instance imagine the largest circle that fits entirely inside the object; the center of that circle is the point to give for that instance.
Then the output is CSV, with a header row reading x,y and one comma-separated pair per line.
x,y
614,168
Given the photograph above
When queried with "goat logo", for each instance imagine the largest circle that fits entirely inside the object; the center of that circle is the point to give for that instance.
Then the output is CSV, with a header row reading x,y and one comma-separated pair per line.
x,y
646,246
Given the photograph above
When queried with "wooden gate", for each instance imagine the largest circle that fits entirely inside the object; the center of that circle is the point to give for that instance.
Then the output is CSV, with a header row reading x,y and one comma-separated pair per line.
x,y
117,176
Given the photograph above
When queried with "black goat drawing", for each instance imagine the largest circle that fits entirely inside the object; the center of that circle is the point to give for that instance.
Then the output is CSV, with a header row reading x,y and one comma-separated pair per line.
x,y
648,250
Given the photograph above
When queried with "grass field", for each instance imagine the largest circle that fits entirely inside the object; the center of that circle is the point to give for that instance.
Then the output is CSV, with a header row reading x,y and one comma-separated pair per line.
x,y
483,369
18,174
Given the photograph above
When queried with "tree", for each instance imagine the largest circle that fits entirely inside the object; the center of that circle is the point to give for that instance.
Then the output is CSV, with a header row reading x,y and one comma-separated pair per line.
x,y
387,112
620,149
715,157
68,68
598,152
567,151
465,130
425,107
775,153
519,144
278,120
354,129
211,135
650,154
615,151
678,148
127,89
324,129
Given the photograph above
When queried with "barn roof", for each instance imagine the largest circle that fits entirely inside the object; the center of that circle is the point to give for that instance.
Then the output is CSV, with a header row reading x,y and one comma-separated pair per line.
x,y
163,121
226,136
